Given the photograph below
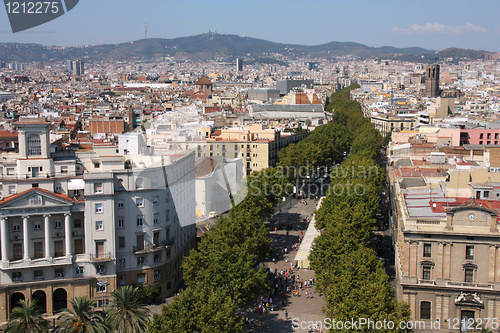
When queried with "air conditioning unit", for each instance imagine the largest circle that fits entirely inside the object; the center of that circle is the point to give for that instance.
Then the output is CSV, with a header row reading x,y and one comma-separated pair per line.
x,y
59,275
74,233
16,237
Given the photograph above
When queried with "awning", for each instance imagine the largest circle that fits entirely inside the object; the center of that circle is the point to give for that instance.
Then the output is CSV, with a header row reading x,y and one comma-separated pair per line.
x,y
76,184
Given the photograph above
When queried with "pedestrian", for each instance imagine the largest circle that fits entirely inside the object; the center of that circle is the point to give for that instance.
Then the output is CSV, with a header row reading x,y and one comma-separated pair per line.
x,y
286,314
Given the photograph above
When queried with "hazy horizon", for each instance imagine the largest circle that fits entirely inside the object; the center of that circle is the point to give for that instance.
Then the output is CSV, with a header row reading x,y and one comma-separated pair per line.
x,y
433,25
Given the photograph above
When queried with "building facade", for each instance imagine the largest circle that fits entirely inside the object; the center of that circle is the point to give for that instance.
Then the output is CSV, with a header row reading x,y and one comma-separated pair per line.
x,y
84,224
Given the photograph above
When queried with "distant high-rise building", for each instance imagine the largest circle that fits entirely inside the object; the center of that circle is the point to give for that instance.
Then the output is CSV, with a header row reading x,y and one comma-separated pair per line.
x,y
239,65
273,69
69,65
432,81
78,67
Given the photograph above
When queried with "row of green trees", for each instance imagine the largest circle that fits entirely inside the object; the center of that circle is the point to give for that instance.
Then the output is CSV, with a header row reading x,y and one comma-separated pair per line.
x,y
224,274
126,314
349,272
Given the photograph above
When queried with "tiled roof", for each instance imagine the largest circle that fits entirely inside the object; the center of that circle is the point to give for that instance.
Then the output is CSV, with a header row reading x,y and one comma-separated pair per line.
x,y
203,80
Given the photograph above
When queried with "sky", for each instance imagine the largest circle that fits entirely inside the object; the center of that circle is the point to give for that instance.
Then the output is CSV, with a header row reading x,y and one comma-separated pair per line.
x,y
433,25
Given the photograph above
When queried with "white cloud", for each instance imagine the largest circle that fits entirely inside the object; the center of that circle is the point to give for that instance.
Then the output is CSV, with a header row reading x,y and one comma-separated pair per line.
x,y
439,28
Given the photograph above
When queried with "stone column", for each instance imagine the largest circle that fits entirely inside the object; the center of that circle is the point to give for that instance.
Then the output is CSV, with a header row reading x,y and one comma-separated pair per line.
x,y
26,254
493,261
68,234
5,239
46,226
439,262
439,306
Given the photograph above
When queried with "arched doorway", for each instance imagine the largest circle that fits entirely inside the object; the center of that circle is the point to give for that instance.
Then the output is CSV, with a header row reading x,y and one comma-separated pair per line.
x,y
41,299
59,300
14,300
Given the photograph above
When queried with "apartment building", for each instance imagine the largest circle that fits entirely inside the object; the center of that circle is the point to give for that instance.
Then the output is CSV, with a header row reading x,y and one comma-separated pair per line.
x,y
82,224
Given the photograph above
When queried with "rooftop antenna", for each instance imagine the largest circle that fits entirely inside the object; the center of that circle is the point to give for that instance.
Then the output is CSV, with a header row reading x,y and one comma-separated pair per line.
x,y
145,29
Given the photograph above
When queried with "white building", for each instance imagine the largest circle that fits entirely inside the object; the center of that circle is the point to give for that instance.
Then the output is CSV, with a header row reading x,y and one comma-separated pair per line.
x,y
70,220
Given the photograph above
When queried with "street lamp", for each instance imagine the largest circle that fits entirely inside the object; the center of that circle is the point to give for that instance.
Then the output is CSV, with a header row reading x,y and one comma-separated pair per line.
x,y
102,284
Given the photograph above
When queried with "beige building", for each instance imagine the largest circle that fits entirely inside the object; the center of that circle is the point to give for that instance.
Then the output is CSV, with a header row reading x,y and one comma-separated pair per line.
x,y
387,123
257,146
447,239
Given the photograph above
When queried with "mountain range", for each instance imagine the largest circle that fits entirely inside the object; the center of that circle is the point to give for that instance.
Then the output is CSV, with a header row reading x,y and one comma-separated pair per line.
x,y
220,46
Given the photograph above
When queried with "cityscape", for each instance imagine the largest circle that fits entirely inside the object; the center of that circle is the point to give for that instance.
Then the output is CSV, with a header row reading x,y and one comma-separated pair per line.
x,y
223,181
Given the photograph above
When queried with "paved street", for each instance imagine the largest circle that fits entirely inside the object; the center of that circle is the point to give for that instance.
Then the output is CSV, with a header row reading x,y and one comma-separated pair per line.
x,y
302,308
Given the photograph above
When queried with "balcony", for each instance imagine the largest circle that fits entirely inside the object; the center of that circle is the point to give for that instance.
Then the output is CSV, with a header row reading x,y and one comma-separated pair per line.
x,y
153,247
35,263
100,257
427,282
469,285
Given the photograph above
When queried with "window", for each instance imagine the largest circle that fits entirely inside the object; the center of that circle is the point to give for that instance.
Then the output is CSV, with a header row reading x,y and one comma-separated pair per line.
x,y
123,280
427,250
469,252
156,218
167,198
155,201
10,171
168,270
99,226
59,273
38,274
98,208
426,273
140,261
57,224
58,248
169,285
121,222
17,276
38,247
488,136
141,278
97,165
98,188
139,183
140,221
64,169
79,270
58,188
121,242
120,203
139,202
157,257
100,288
486,194
469,275
481,135
100,269
34,145
77,223
121,262
157,274
12,189
16,227
425,310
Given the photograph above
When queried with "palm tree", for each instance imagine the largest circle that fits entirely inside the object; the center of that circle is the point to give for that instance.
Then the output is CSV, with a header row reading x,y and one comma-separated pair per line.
x,y
82,319
27,317
127,314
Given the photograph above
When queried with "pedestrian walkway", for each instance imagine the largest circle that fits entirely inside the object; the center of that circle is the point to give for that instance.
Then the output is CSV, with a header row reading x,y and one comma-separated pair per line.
x,y
288,228
302,256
